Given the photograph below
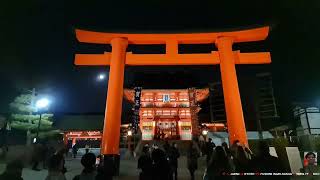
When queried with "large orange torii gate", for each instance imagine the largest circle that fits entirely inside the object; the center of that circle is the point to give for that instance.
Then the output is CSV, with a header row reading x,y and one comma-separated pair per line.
x,y
119,58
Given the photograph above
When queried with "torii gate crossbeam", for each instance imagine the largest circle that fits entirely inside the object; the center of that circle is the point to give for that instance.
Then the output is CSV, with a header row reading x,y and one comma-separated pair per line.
x,y
119,58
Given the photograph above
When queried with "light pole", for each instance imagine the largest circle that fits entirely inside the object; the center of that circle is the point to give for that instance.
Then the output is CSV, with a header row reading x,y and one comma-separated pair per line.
x,y
41,104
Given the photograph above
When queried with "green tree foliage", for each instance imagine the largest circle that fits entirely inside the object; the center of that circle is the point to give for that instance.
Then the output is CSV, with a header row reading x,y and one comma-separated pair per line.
x,y
24,115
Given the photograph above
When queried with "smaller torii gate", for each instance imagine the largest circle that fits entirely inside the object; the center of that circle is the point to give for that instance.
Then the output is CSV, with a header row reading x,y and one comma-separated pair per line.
x,y
119,58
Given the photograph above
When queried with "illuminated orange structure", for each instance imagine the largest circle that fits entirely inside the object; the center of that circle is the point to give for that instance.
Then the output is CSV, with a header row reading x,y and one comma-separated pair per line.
x,y
169,114
74,135
119,58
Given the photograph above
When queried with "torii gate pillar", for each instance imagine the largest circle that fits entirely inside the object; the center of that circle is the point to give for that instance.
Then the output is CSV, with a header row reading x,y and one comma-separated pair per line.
x,y
112,121
235,120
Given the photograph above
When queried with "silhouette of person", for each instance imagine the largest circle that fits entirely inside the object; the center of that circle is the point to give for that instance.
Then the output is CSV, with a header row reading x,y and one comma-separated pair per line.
x,y
173,156
160,166
56,168
241,162
13,171
209,149
218,165
145,164
264,162
89,172
192,160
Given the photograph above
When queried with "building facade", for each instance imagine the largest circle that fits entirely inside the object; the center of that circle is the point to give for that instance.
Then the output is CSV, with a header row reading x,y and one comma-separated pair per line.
x,y
170,113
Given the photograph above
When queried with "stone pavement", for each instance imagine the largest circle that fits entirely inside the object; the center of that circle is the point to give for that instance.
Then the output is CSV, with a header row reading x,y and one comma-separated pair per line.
x,y
128,170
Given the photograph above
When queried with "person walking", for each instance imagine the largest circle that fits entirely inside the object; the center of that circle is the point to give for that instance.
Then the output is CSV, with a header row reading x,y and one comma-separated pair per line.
x,y
145,164
192,160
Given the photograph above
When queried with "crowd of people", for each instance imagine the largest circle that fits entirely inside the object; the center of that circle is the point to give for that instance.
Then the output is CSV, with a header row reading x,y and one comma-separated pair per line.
x,y
161,163
56,168
224,160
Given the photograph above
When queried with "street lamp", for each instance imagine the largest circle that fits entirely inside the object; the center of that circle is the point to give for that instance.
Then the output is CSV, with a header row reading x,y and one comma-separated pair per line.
x,y
41,104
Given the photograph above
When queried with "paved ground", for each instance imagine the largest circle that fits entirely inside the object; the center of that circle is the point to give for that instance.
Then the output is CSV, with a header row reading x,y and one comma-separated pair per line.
x,y
128,170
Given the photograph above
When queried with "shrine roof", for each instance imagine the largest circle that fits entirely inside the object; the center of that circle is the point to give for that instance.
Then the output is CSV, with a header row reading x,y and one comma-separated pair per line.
x,y
201,94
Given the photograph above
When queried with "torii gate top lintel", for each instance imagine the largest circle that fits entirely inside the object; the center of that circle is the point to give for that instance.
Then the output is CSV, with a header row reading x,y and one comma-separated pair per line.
x,y
172,41
248,35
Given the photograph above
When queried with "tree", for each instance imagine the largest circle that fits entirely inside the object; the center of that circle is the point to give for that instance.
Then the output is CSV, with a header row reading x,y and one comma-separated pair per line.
x,y
24,114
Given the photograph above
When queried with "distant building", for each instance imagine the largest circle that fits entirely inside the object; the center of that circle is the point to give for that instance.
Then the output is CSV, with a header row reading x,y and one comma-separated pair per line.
x,y
307,119
81,128
168,113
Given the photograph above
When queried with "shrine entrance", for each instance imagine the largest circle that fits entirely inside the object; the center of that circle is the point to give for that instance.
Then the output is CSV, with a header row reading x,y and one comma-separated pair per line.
x,y
166,129
226,57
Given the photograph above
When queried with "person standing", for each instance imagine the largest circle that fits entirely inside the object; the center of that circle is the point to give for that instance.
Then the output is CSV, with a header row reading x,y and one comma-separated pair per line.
x,y
241,163
209,149
145,164
266,163
234,148
218,166
166,146
160,166
55,168
87,147
192,160
173,156
13,171
89,172
74,150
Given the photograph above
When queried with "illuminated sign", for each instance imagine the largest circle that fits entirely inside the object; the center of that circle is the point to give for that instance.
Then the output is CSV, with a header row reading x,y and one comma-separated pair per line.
x,y
166,98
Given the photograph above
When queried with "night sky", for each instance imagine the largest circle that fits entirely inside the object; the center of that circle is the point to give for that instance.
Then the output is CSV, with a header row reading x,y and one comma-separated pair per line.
x,y
38,46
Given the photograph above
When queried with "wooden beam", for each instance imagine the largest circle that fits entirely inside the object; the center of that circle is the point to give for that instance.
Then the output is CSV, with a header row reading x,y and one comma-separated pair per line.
x,y
246,35
92,59
252,58
168,59
171,59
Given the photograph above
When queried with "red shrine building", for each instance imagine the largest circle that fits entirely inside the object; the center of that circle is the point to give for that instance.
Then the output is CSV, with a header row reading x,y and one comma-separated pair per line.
x,y
170,113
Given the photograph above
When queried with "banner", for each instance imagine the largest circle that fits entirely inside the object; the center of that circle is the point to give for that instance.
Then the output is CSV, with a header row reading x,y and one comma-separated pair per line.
x,y
136,107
